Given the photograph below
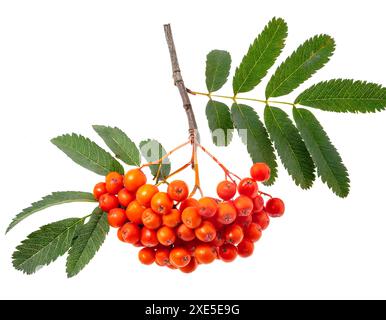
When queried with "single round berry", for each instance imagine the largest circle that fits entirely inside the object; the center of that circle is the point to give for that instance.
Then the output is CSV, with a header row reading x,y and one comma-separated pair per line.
x,y
261,218
275,207
145,193
244,221
219,240
133,179
146,256
191,217
166,236
114,182
226,190
130,233
248,187
260,171
258,203
99,190
190,267
243,205
190,202
120,235
178,190
234,234
206,232
150,219
149,237
185,233
179,257
172,219
253,232
116,217
245,248
227,252
162,256
205,253
108,202
125,197
134,212
226,213
161,203
207,207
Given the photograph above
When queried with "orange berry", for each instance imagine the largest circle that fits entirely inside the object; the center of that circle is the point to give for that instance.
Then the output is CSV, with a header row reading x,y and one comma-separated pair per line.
x,y
226,213
178,190
261,218
166,236
133,179
161,203
191,217
243,205
234,234
130,233
114,182
248,187
145,193
134,212
149,237
190,202
275,207
207,207
253,232
190,267
162,256
150,219
206,232
125,197
172,219
146,256
120,235
260,171
185,233
245,248
258,203
99,190
107,202
116,217
227,252
179,257
205,253
226,190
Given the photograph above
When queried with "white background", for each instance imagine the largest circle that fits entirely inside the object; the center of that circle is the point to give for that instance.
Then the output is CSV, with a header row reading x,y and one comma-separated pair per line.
x,y
65,65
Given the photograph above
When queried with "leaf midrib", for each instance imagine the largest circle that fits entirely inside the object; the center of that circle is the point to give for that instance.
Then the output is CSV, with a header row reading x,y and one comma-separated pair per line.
x,y
123,151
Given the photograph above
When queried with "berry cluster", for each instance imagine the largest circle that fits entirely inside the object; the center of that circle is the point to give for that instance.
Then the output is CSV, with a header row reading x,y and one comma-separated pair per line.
x,y
181,232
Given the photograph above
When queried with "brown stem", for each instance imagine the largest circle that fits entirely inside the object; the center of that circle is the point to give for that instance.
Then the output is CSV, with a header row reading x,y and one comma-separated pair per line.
x,y
179,82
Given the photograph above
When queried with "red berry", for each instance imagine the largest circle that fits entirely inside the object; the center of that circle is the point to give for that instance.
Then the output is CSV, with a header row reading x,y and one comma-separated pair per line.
x,y
244,221
99,189
248,187
161,203
190,267
190,202
206,232
253,232
125,197
162,256
261,218
205,253
146,256
179,257
119,234
245,248
227,252
166,236
148,237
258,203
234,234
116,217
219,240
130,233
226,190
178,190
260,172
226,213
275,207
114,182
185,233
108,202
244,205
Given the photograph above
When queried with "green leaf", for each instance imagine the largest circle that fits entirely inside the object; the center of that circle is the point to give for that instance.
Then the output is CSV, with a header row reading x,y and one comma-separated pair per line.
x,y
152,150
252,132
311,56
45,245
344,95
87,153
220,123
218,64
53,199
90,238
261,56
120,144
290,146
326,158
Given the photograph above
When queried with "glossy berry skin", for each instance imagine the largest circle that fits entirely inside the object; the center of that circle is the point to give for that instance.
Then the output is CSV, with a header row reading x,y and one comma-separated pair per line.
x,y
119,234
108,202
145,193
261,218
226,190
205,253
248,187
227,252
179,257
162,256
114,182
149,237
172,219
275,207
243,205
207,207
258,203
125,197
99,190
166,236
253,232
190,202
190,267
206,232
146,256
245,248
234,234
130,233
178,190
134,212
226,213
260,171
161,203
219,240
150,219
133,179
116,217
185,233
191,217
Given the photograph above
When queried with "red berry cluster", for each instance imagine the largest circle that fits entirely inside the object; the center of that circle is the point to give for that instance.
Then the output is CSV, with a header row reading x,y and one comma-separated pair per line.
x,y
182,232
